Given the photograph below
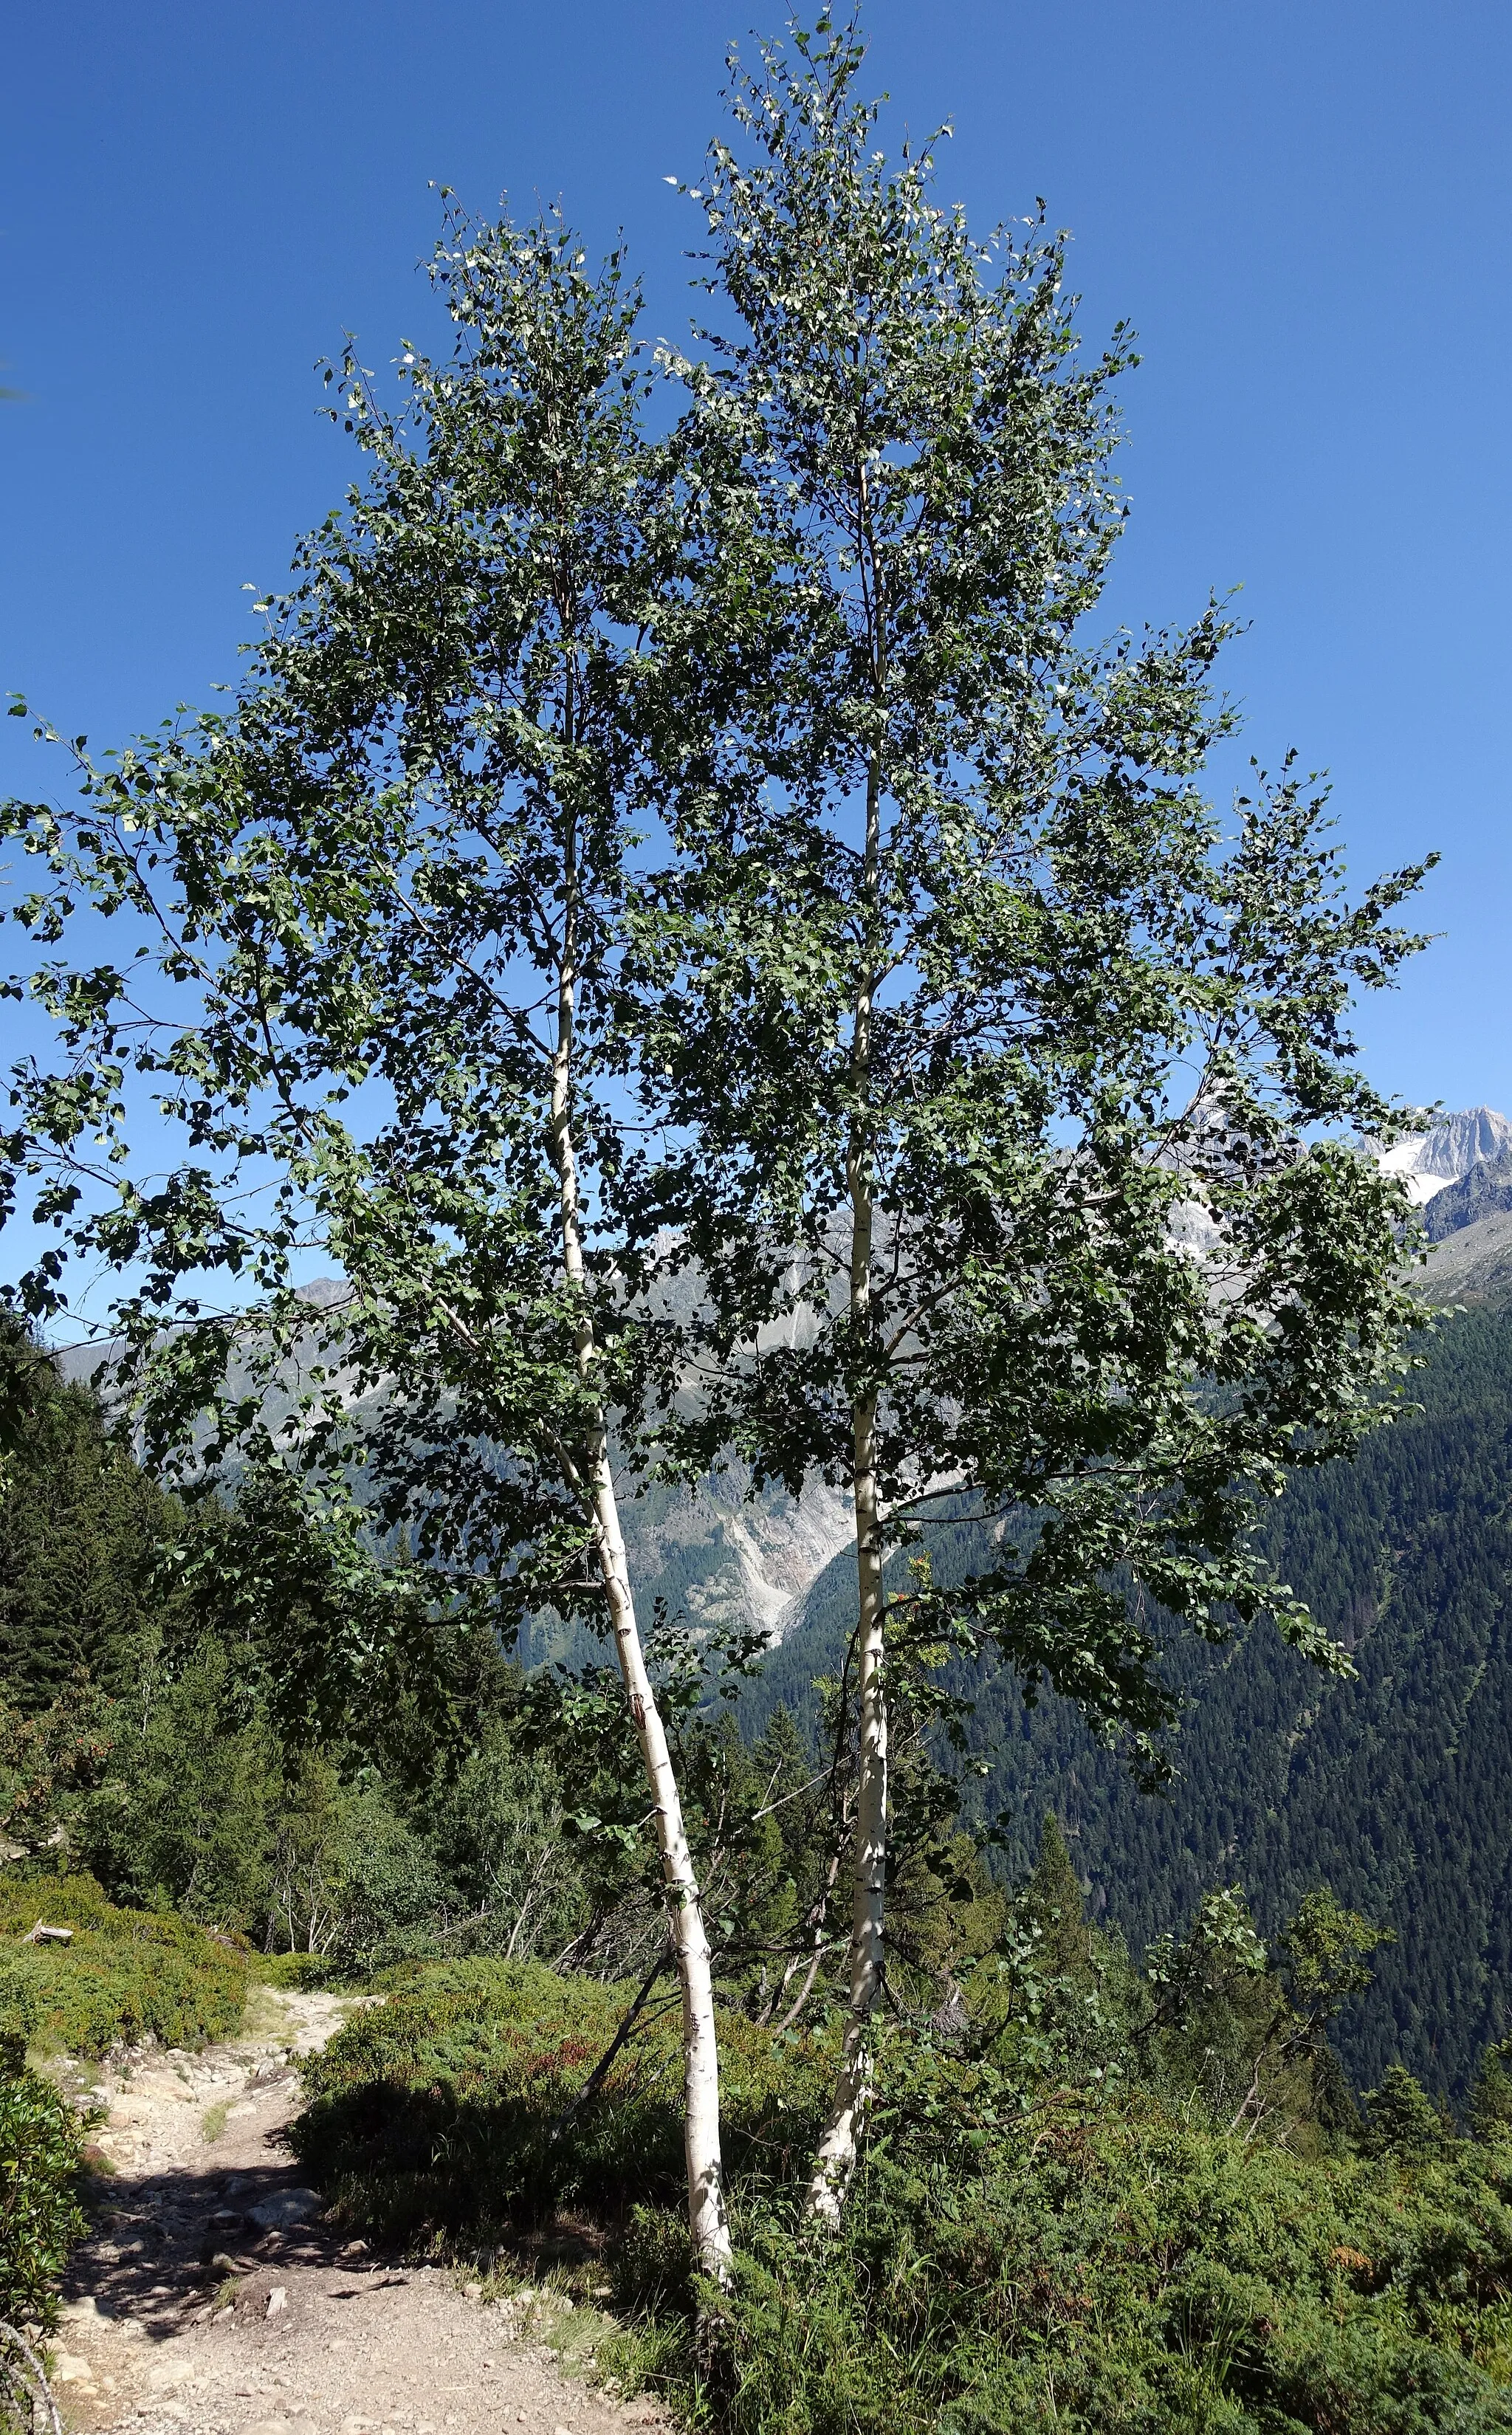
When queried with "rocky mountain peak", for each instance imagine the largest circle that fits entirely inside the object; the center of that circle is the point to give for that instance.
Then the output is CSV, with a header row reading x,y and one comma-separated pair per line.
x,y
1430,1161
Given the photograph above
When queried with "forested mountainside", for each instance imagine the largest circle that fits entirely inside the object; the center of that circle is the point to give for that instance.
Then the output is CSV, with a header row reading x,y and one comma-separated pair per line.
x,y
79,1529
721,1558
1394,1790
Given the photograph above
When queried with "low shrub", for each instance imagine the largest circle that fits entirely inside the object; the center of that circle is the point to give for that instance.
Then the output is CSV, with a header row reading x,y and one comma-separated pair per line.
x,y
1103,2259
40,2158
20,2009
126,1974
439,2111
297,1970
1109,2268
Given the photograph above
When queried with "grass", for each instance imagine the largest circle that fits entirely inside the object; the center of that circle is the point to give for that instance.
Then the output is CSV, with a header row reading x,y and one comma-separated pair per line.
x,y
556,2310
213,2121
265,2017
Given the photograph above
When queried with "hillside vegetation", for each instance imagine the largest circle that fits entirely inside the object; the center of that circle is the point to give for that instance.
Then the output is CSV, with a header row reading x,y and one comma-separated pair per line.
x,y
124,1976
1091,2197
1114,2180
1392,1788
186,1793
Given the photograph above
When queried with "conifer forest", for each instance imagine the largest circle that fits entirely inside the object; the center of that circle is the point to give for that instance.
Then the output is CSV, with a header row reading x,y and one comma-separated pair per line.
x,y
728,1417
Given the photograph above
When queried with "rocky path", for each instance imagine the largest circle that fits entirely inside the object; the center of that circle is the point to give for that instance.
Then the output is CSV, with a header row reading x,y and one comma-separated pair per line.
x,y
212,2300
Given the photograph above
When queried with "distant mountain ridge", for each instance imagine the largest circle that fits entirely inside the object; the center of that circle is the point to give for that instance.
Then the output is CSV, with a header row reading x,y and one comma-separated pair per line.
x,y
1460,1175
1430,1160
717,1558
724,1556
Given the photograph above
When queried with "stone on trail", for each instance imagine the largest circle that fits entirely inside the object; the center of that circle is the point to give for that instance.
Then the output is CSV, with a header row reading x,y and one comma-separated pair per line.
x,y
236,2273
286,2208
83,2312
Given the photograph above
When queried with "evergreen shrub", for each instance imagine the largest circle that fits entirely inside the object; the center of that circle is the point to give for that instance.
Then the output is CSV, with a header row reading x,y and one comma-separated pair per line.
x,y
40,2144
441,2111
1120,2269
297,1970
126,1976
1101,2254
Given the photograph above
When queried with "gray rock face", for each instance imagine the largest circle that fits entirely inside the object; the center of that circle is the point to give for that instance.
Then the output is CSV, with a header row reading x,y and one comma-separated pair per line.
x,y
721,1558
1455,1146
1473,1264
1431,1160
1481,1193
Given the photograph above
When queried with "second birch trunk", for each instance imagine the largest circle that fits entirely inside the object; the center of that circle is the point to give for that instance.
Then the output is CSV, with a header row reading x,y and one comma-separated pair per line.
x,y
835,2159
708,2225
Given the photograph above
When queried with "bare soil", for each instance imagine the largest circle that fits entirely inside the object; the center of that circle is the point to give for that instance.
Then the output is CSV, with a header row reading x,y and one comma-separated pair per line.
x,y
212,2298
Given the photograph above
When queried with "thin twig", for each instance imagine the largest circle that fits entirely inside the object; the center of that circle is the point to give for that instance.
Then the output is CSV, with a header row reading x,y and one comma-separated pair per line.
x,y
601,2069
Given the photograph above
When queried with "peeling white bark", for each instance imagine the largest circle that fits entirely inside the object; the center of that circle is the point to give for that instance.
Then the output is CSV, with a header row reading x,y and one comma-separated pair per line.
x,y
835,2158
707,2222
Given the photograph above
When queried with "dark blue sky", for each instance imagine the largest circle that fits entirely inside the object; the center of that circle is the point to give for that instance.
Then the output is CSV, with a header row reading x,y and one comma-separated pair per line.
x,y
1304,210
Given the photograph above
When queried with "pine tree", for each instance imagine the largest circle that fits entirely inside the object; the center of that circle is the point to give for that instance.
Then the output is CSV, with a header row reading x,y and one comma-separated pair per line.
x,y
1401,2119
1054,1904
81,1530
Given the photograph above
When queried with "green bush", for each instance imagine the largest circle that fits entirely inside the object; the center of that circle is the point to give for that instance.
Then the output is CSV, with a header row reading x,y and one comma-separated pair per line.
x,y
1109,2267
40,2219
437,2111
126,1974
297,1970
20,2009
1108,2259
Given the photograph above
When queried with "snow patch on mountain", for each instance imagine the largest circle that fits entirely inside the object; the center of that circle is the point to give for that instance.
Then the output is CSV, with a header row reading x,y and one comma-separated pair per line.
x,y
1429,1161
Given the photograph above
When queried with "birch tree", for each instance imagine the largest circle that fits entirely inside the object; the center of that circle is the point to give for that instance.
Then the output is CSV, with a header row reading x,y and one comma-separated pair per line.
x,y
388,884
1020,1126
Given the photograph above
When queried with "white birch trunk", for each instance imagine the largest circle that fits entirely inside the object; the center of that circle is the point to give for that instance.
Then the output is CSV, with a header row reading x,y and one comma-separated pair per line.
x,y
835,2158
707,2222
834,2162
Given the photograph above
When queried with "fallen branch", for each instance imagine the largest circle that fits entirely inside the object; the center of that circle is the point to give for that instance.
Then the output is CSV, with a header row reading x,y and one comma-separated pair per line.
x,y
601,2069
25,2396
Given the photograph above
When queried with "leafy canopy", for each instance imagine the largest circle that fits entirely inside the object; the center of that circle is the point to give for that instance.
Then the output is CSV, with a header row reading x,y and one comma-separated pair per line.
x,y
360,892
1020,1115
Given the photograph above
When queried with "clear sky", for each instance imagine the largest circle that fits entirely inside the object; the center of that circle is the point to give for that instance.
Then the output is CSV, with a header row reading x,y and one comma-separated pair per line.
x,y
1304,209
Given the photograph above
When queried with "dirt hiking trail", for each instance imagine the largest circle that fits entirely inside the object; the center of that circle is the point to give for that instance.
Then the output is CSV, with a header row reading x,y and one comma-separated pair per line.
x,y
212,2300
